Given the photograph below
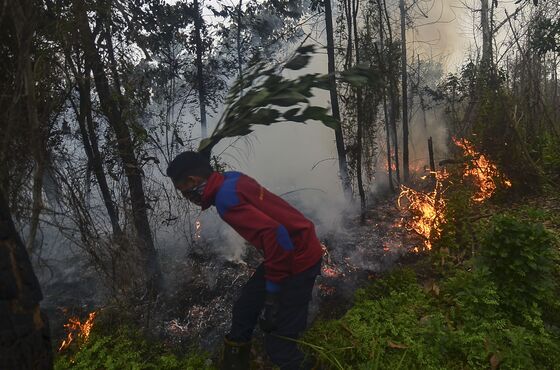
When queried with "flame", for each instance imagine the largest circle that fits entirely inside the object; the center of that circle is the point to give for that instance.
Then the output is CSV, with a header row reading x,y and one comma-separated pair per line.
x,y
481,171
427,210
76,328
197,229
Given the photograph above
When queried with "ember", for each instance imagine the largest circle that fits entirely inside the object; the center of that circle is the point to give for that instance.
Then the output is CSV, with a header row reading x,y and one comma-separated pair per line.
x,y
326,290
481,170
197,229
78,329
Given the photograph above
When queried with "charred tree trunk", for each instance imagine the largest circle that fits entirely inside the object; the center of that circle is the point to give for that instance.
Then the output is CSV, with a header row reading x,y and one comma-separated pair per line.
x,y
199,68
404,86
340,147
431,155
109,99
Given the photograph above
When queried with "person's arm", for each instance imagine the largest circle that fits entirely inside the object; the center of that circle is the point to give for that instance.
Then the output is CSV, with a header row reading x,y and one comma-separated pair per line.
x,y
267,234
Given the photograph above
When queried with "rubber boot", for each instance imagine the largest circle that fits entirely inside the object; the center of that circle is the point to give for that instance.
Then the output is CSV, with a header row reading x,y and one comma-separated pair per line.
x,y
236,355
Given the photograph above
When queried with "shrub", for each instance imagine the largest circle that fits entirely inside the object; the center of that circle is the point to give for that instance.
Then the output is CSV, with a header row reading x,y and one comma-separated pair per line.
x,y
396,324
521,259
127,349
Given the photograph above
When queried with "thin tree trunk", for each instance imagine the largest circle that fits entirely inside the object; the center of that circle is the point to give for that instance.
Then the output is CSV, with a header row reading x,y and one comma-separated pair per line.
x,y
404,86
421,95
486,35
89,138
239,52
340,147
24,30
359,117
199,69
381,57
393,100
109,99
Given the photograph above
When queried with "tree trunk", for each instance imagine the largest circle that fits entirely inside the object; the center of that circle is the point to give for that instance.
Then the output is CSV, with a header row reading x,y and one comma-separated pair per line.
x,y
22,16
239,52
393,100
486,35
421,96
381,57
404,78
89,139
25,341
199,69
340,147
109,99
359,116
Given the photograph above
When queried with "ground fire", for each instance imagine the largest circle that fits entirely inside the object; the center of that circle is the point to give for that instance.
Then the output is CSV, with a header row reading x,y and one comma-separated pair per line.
x,y
427,209
77,329
483,172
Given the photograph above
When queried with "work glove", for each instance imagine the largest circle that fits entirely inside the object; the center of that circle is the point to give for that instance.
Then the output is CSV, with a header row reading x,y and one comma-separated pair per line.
x,y
269,319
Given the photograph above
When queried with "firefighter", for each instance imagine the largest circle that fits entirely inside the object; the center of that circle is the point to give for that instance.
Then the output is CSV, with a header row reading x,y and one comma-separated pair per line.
x,y
278,293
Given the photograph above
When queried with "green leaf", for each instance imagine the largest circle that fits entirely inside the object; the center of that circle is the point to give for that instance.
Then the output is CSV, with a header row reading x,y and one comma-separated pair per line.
x,y
298,62
290,113
306,49
287,99
320,114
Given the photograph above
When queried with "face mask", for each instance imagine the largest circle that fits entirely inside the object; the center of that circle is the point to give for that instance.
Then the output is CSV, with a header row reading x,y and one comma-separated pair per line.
x,y
195,194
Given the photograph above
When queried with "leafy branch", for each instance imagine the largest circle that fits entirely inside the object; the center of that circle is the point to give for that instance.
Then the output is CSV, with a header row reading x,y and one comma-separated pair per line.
x,y
263,97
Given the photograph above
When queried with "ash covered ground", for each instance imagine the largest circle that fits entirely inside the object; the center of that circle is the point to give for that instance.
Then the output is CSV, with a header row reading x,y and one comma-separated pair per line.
x,y
201,284
198,307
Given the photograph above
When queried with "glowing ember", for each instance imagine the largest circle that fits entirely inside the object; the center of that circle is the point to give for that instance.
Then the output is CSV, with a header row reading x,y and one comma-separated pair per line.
x,y
329,269
330,272
481,171
427,210
76,328
197,229
327,290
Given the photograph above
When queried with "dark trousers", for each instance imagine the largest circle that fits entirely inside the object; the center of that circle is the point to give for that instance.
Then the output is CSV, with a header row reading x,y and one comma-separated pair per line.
x,y
295,295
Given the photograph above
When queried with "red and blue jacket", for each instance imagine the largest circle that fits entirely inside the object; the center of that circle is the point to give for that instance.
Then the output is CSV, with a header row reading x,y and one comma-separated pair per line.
x,y
265,220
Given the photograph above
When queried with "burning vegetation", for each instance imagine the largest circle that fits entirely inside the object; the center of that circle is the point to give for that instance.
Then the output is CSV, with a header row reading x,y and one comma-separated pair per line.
x,y
481,171
427,210
77,330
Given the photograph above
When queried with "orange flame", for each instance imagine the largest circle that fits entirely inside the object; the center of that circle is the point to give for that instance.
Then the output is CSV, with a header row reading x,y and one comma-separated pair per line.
x,y
481,171
427,210
75,328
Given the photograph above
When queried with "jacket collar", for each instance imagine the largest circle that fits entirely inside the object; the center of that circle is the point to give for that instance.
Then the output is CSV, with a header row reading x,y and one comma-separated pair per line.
x,y
213,184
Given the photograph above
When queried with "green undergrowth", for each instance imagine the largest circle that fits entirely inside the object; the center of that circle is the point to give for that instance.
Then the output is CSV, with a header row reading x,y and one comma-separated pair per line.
x,y
127,349
499,309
